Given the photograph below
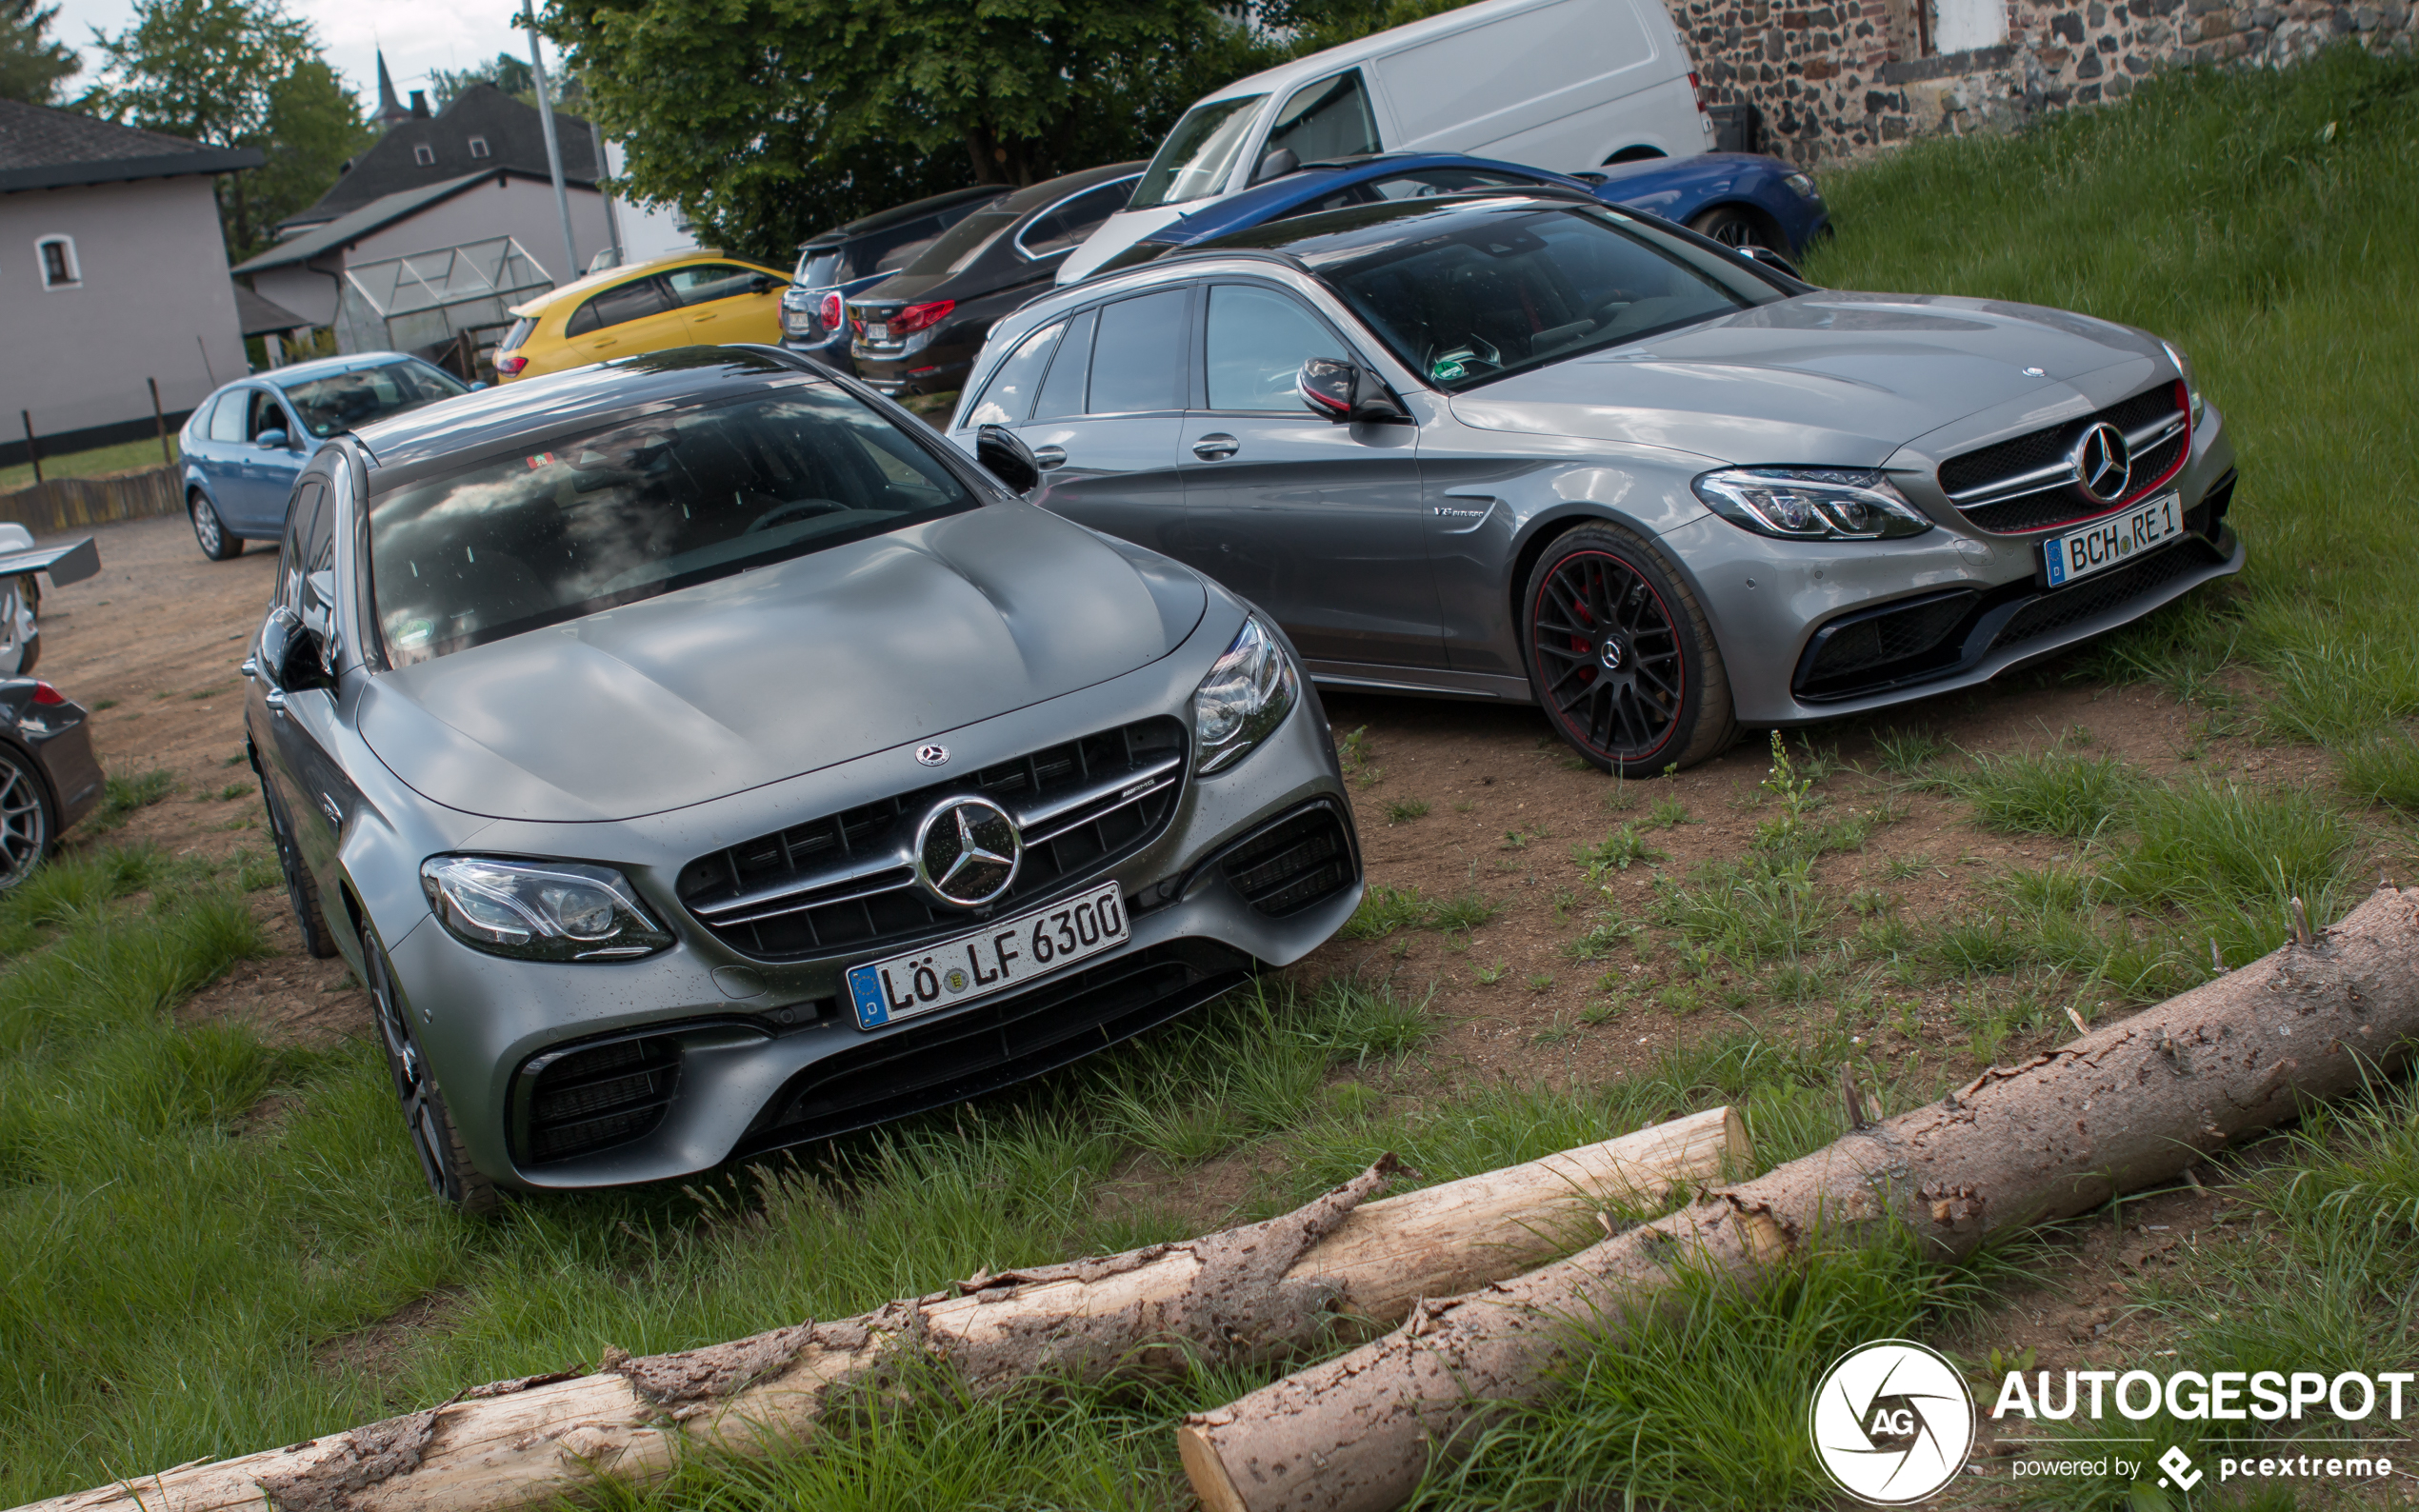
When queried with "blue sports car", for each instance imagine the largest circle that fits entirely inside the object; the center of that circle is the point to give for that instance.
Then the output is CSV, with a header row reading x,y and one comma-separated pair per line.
x,y
1741,199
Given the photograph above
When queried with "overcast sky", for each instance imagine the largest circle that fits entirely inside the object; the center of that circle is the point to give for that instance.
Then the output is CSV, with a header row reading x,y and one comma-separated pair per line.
x,y
418,35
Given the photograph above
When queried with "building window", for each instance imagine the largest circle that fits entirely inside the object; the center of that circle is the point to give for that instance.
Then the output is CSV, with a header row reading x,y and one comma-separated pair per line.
x,y
425,156
59,269
478,146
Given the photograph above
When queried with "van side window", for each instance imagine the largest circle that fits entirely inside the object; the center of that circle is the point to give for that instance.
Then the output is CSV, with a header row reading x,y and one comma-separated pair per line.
x,y
1131,373
1010,393
1257,341
1063,390
1327,119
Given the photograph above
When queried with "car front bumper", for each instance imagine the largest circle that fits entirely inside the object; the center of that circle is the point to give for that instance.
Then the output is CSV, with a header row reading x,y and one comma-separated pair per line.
x,y
717,1055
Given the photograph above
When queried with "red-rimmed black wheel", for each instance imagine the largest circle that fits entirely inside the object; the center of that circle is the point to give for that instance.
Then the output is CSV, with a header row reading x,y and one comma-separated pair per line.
x,y
1620,655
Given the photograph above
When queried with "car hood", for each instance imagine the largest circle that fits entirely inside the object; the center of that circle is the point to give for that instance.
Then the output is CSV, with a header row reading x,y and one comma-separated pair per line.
x,y
780,670
1842,380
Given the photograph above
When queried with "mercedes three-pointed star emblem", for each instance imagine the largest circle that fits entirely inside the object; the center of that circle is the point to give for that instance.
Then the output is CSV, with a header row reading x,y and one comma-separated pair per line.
x,y
966,851
2103,464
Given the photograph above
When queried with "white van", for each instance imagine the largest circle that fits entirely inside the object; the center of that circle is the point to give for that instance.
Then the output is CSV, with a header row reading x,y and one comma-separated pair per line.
x,y
1558,84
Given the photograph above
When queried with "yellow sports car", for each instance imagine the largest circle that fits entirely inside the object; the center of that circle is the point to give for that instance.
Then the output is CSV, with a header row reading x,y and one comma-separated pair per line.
x,y
687,299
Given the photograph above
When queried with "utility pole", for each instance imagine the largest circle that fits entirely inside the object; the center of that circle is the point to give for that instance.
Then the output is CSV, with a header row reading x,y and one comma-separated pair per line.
x,y
553,148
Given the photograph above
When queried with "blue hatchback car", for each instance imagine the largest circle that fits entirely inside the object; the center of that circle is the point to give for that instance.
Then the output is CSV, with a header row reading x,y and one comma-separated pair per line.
x,y
1740,199
243,445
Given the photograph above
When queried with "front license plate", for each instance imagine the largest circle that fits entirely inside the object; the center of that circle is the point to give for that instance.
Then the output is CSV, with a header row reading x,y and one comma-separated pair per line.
x,y
2080,553
1005,954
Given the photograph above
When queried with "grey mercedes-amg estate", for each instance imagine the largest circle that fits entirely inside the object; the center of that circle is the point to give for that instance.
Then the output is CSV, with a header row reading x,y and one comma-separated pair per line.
x,y
1518,447
694,755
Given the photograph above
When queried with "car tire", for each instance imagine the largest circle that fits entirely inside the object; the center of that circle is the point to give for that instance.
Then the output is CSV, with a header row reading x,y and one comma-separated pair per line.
x,y
20,642
28,818
445,1165
1620,655
302,889
209,532
1736,225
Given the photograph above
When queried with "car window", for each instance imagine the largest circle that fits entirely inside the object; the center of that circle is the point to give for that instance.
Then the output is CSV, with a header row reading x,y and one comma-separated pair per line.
x,y
961,243
632,301
1423,182
1009,396
1132,370
293,556
1504,292
1327,119
818,268
267,414
1074,221
1194,159
347,401
705,282
1063,390
228,422
586,520
519,333
1256,342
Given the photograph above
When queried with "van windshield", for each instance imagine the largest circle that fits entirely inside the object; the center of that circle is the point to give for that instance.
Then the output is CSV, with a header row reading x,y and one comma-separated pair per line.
x,y
1194,159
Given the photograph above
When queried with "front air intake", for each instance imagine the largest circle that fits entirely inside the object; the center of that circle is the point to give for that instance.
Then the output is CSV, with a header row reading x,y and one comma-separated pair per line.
x,y
1301,860
579,1102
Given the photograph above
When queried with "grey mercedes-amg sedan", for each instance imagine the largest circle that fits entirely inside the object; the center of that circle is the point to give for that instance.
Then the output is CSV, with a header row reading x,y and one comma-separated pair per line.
x,y
694,755
1519,447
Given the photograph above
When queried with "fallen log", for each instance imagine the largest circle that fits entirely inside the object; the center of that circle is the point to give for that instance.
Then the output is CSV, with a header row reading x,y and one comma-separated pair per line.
x,y
1256,1292
2122,1109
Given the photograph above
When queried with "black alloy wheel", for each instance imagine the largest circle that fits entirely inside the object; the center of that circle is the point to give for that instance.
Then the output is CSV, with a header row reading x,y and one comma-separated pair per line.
x,y
444,1163
26,821
302,889
1620,656
209,532
1735,225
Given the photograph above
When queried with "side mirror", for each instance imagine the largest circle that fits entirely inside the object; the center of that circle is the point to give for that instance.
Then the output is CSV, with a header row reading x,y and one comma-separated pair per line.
x,y
1772,260
765,283
1276,165
272,440
1005,456
1342,391
291,653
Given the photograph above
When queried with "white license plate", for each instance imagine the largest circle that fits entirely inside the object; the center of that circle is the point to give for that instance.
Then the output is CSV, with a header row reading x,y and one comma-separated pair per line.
x,y
2120,538
998,956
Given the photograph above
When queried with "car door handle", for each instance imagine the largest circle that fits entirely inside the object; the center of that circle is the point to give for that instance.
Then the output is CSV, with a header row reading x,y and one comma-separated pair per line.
x,y
275,699
1215,447
1049,457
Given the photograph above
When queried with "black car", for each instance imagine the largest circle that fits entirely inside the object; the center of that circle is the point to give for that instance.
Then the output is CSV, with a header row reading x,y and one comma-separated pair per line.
x,y
47,777
917,331
851,259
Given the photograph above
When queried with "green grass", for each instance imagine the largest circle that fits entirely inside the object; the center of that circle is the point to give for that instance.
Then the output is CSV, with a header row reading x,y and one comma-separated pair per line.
x,y
90,464
2384,768
2055,792
121,796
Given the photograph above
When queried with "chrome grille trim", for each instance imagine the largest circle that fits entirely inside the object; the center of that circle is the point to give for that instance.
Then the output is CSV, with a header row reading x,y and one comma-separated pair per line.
x,y
2138,442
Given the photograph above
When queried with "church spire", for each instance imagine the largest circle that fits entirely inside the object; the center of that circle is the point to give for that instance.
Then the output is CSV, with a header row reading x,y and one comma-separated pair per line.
x,y
390,108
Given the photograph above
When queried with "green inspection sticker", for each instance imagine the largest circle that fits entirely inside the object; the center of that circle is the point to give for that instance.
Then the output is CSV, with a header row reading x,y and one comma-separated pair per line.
x,y
415,632
1448,370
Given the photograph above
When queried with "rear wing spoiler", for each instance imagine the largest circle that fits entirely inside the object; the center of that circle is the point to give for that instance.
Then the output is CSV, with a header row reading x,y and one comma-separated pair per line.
x,y
71,563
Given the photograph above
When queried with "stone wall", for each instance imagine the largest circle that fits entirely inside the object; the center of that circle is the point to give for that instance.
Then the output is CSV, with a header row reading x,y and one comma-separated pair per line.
x,y
1838,80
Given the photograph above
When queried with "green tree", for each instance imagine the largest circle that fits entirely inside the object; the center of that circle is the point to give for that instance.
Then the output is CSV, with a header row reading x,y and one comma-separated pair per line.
x,y
766,120
32,64
235,73
504,71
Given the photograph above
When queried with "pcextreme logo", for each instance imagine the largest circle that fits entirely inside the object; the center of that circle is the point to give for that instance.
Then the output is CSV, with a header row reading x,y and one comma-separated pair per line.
x,y
1891,1421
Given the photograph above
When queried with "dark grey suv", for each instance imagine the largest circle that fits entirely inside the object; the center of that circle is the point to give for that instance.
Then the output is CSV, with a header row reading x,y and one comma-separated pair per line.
x,y
1514,447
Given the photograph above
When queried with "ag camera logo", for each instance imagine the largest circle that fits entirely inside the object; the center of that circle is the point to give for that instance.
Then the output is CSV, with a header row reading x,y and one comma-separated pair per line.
x,y
1891,1421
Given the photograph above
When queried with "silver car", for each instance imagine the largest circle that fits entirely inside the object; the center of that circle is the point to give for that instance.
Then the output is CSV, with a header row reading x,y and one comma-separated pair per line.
x,y
696,756
1518,447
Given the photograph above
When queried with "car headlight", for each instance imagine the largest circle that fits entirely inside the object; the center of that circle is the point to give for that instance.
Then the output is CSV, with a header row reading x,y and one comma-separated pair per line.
x,y
1804,185
540,911
1246,696
2192,384
1811,504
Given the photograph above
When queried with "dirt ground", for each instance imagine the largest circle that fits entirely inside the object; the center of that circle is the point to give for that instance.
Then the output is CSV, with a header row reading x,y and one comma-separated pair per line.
x,y
152,644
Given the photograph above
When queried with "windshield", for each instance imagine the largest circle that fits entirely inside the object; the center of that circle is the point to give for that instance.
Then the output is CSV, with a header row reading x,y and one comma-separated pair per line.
x,y
1504,292
584,522
346,401
1194,159
961,243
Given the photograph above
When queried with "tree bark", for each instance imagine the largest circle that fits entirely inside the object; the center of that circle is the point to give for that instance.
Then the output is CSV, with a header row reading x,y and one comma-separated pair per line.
x,y
2119,1109
1246,1294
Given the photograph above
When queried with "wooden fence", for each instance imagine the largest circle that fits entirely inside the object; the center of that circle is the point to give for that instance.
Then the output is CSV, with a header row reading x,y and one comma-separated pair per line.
x,y
67,504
